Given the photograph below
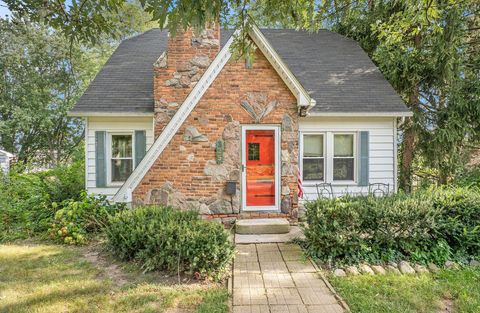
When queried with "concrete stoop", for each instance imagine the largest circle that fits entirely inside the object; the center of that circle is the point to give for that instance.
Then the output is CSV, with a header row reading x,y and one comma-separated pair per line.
x,y
267,230
262,226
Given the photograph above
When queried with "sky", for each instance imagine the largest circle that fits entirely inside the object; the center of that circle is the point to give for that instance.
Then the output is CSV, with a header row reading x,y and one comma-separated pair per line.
x,y
3,10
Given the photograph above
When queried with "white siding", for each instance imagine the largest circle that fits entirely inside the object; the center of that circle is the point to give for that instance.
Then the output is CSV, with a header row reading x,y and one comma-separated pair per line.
x,y
4,163
382,147
110,124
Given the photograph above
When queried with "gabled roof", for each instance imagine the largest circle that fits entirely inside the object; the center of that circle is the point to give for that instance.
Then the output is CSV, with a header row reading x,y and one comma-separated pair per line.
x,y
334,70
125,82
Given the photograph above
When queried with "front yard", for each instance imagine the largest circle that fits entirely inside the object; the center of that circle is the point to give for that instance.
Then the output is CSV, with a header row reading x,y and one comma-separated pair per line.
x,y
447,291
52,278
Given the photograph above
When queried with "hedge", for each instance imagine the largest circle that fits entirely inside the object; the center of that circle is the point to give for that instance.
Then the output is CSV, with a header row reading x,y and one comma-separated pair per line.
x,y
163,238
429,226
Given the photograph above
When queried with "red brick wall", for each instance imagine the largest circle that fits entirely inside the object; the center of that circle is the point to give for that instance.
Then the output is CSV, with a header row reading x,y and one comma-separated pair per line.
x,y
175,78
186,176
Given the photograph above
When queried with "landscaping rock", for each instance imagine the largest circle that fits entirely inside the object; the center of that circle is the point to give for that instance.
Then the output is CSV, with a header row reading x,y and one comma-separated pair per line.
x,y
394,264
405,268
352,271
474,263
433,268
365,269
420,269
378,269
392,269
451,265
339,273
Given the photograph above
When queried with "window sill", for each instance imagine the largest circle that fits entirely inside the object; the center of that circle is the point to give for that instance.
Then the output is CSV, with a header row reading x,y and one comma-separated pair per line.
x,y
336,183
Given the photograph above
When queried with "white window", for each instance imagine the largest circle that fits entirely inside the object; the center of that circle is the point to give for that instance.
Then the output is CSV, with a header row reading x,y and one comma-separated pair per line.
x,y
313,158
343,157
120,157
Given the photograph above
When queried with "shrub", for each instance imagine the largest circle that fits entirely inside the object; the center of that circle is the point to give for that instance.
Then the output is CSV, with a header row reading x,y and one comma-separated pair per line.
x,y
76,220
431,225
26,199
162,238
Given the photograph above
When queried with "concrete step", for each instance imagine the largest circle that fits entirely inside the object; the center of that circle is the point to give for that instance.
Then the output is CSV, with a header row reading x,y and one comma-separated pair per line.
x,y
262,226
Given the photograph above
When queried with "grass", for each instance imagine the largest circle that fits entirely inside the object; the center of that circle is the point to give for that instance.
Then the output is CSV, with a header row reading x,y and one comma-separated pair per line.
x,y
51,278
392,293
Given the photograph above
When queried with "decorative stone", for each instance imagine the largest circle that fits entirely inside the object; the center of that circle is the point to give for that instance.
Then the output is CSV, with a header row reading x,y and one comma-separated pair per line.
x,y
474,263
451,265
218,172
231,131
405,268
339,273
182,148
420,269
161,61
202,61
433,267
285,156
392,269
221,207
286,205
172,104
352,271
184,81
190,157
171,82
257,106
287,168
285,190
192,134
287,123
234,175
365,269
158,196
378,269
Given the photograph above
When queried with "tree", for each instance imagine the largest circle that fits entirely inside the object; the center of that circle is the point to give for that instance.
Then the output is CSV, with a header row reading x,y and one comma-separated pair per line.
x,y
427,49
42,75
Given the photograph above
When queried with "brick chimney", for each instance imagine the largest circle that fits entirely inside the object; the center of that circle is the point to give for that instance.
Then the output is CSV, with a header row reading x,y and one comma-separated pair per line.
x,y
179,68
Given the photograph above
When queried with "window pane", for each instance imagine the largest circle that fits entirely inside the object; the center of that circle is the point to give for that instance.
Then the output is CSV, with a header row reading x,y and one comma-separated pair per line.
x,y
343,145
121,146
343,169
312,169
313,145
253,151
121,169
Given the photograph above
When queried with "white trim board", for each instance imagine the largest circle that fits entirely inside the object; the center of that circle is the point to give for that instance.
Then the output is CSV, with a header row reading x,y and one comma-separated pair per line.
x,y
353,114
276,206
109,114
124,194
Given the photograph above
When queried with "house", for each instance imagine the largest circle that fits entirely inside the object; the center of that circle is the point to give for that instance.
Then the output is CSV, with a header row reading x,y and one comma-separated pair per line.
x,y
178,121
5,158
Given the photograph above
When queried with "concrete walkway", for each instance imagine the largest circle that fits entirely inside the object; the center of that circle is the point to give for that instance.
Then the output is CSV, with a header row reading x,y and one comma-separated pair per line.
x,y
276,278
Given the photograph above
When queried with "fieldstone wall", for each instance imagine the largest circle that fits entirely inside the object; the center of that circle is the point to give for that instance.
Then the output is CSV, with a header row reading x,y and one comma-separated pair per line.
x,y
186,175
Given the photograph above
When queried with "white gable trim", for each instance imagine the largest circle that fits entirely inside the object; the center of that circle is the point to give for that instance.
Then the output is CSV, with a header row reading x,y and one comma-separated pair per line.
x,y
348,114
124,194
303,98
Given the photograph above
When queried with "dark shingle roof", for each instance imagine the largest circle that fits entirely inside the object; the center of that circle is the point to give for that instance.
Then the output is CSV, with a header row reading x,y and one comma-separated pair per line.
x,y
125,83
334,70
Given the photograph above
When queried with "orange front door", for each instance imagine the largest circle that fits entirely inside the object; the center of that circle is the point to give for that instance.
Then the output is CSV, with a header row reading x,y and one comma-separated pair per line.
x,y
260,167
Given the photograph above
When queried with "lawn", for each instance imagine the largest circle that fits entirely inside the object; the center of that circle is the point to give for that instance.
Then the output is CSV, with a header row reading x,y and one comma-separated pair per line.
x,y
447,291
52,278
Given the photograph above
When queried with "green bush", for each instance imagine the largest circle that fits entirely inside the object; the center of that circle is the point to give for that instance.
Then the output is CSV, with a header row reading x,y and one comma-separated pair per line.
x,y
162,238
431,225
78,219
26,199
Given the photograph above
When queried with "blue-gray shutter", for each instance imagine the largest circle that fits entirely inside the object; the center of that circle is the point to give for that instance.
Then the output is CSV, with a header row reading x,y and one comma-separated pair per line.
x,y
363,159
100,159
140,146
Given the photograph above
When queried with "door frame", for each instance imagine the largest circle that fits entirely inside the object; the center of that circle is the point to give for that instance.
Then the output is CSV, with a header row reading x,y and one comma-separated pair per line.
x,y
276,207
